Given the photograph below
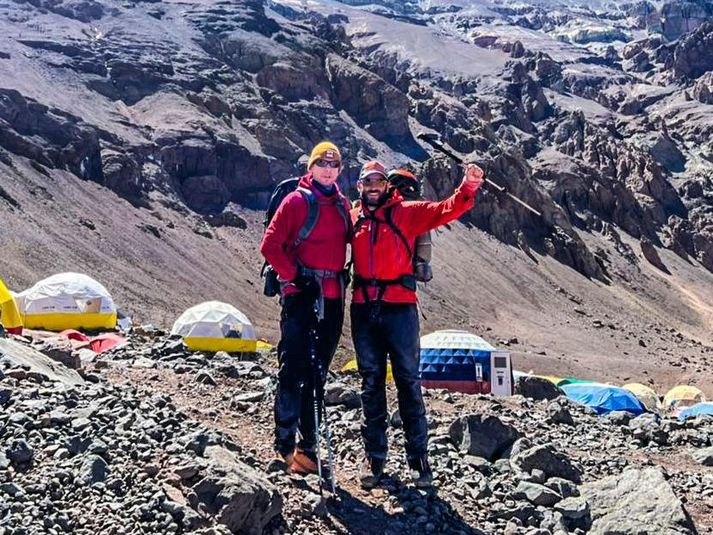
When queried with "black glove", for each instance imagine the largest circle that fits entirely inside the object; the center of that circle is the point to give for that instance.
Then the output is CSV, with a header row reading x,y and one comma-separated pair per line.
x,y
305,283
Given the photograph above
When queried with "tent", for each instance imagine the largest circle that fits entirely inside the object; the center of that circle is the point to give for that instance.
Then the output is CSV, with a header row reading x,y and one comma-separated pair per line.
x,y
353,366
682,396
573,381
105,342
645,395
698,409
9,314
463,362
215,326
67,301
603,398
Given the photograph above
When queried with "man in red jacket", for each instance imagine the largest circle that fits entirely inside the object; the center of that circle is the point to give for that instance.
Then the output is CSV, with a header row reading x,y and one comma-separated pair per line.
x,y
384,313
308,256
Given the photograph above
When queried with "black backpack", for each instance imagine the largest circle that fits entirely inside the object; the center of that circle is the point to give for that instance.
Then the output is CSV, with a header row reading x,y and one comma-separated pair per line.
x,y
282,190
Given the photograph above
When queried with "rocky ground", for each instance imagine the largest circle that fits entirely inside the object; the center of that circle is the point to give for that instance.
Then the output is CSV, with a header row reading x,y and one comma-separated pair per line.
x,y
149,438
138,141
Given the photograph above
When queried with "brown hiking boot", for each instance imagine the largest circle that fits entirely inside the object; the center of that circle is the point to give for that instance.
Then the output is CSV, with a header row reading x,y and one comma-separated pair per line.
x,y
281,462
303,463
371,472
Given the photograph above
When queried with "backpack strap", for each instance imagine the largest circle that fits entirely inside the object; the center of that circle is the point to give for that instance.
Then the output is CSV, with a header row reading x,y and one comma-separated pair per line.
x,y
342,204
390,221
312,216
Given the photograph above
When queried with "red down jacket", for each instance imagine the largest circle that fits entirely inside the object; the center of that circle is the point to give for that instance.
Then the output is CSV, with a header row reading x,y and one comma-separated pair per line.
x,y
324,249
380,254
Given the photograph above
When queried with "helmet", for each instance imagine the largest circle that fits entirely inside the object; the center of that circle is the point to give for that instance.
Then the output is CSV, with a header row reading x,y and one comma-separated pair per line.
x,y
406,182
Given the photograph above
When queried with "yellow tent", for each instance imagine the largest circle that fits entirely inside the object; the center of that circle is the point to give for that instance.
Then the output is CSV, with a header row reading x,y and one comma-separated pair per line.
x,y
352,366
645,395
215,326
682,396
67,301
9,315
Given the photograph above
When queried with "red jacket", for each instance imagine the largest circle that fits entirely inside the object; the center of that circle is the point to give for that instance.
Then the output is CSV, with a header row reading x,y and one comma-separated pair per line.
x,y
325,248
379,253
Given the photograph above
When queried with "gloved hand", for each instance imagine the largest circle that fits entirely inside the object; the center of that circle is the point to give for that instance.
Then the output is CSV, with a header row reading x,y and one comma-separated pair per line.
x,y
305,283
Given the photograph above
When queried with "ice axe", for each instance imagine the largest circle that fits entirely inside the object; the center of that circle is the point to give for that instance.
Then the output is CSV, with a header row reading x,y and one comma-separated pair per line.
x,y
432,139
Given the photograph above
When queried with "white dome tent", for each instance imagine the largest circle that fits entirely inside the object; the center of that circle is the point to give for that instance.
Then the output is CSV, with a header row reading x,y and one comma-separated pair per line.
x,y
67,301
216,326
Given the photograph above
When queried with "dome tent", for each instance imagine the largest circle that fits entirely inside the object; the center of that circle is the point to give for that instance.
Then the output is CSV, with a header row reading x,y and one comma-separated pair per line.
x,y
682,396
645,395
67,301
216,326
9,314
603,398
463,362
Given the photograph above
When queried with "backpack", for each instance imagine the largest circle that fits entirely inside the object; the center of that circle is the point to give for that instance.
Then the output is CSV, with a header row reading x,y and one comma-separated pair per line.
x,y
283,189
420,254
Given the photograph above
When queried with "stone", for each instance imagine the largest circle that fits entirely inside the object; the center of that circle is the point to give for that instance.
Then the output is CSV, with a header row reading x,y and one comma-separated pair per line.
x,y
559,414
573,508
619,417
704,456
547,459
340,394
536,494
537,388
563,487
636,501
205,378
313,505
20,452
92,470
647,428
482,436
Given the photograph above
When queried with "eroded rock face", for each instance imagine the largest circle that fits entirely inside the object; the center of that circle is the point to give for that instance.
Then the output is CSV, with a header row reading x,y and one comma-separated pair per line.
x,y
48,136
703,88
693,56
382,108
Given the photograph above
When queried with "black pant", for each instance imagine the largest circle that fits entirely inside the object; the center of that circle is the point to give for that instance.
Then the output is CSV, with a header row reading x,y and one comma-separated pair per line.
x,y
294,402
393,332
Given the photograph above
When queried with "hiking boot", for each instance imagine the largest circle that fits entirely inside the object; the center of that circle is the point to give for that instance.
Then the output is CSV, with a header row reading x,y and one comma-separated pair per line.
x,y
371,472
281,462
421,472
304,462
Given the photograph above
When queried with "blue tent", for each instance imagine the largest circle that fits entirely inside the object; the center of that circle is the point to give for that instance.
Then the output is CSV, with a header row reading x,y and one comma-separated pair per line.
x,y
603,398
696,410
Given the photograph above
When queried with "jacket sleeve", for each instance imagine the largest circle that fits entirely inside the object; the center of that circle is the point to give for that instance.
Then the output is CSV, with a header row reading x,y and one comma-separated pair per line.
x,y
276,245
417,217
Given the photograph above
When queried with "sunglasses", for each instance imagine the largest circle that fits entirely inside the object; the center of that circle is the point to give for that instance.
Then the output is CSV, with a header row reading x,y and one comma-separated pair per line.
x,y
334,164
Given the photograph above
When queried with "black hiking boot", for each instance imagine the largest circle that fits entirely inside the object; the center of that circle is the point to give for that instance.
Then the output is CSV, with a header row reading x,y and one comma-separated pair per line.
x,y
421,472
371,472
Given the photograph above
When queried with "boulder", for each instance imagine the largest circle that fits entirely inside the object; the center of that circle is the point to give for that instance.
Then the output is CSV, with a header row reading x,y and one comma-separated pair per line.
x,y
24,356
537,388
553,463
238,495
636,501
536,494
482,436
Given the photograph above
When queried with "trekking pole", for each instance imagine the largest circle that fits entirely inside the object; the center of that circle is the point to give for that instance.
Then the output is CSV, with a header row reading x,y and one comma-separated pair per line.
x,y
317,400
432,139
